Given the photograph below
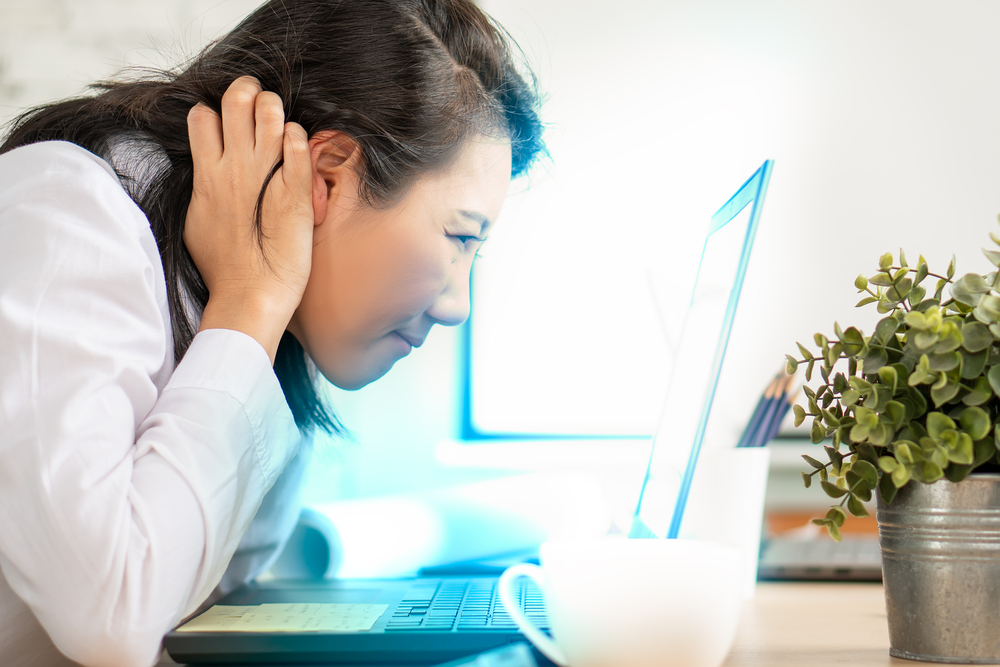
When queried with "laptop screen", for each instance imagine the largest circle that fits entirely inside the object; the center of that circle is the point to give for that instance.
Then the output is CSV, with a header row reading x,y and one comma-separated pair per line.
x,y
685,425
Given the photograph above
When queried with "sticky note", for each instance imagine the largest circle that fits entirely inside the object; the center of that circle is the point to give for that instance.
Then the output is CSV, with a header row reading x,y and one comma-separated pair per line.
x,y
288,617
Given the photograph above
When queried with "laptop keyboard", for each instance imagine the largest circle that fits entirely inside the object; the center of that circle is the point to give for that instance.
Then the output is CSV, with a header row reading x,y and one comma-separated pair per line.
x,y
463,605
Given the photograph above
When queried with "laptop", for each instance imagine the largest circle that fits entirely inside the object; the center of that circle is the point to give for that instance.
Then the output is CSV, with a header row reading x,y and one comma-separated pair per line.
x,y
431,620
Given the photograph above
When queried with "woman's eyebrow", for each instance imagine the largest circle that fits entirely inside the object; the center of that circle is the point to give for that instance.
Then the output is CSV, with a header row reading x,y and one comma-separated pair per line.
x,y
476,217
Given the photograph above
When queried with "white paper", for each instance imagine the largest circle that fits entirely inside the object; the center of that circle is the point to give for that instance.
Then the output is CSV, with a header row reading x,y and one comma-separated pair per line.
x,y
287,617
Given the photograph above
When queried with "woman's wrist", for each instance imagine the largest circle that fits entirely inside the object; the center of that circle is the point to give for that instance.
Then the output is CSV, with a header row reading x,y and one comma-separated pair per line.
x,y
256,313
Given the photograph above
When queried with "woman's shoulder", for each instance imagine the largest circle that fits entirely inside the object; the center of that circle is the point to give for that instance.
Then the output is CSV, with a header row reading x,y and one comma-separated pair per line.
x,y
60,182
52,159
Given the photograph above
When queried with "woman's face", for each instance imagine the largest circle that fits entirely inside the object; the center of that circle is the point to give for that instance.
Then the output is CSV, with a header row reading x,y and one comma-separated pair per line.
x,y
382,277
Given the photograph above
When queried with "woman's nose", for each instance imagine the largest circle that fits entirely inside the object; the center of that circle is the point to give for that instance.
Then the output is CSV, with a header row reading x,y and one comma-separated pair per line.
x,y
451,308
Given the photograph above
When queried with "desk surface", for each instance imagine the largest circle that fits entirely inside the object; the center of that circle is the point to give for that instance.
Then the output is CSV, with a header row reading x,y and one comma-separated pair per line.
x,y
814,624
819,625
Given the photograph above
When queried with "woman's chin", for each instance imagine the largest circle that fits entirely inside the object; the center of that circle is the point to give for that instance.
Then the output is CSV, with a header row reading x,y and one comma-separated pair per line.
x,y
355,378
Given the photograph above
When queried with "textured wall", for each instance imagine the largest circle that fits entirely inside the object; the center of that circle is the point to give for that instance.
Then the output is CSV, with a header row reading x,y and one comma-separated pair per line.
x,y
50,49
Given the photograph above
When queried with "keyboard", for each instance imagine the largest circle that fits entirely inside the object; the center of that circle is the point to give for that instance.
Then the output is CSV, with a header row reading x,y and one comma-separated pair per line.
x,y
464,605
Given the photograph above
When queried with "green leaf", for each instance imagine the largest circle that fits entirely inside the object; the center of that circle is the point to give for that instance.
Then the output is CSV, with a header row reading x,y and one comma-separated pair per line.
x,y
951,268
836,515
834,531
900,476
984,451
896,412
916,320
885,329
806,354
850,397
993,375
939,288
856,507
832,490
938,423
809,369
853,341
974,283
885,261
904,453
987,310
889,377
861,282
900,290
976,337
881,279
980,393
866,417
813,462
963,295
922,271
976,422
800,414
902,259
964,452
924,340
956,473
993,256
867,472
916,295
817,433
887,464
887,488
928,472
875,359
944,362
865,301
943,394
973,364
791,365
807,480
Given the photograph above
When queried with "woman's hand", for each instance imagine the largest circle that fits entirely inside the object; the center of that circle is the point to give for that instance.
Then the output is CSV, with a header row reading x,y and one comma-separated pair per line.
x,y
255,280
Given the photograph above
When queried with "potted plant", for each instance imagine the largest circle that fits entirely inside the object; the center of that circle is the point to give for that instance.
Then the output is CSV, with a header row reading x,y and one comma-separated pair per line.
x,y
911,415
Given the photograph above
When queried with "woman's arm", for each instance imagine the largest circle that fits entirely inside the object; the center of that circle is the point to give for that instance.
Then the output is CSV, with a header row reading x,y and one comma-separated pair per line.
x,y
120,506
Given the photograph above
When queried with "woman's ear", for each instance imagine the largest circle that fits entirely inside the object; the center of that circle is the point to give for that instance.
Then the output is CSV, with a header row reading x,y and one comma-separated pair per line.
x,y
334,162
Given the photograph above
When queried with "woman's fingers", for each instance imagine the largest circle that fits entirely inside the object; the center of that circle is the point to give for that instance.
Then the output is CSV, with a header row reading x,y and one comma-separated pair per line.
x,y
269,116
238,107
296,172
205,135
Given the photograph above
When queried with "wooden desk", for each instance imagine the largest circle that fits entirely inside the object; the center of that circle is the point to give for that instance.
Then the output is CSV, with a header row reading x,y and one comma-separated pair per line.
x,y
811,625
814,625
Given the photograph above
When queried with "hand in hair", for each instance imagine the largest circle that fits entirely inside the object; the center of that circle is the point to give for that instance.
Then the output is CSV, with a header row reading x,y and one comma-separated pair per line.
x,y
254,256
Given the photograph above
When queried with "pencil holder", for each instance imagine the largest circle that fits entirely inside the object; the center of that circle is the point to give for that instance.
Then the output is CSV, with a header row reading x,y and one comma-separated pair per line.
x,y
727,504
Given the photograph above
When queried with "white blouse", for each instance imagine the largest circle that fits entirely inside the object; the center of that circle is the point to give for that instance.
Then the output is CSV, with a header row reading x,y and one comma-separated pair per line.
x,y
126,484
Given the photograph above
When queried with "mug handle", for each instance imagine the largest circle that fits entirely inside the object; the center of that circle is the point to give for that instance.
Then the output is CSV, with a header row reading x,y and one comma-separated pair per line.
x,y
541,641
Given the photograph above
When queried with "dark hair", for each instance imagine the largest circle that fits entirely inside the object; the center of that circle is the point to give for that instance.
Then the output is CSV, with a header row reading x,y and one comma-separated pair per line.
x,y
409,80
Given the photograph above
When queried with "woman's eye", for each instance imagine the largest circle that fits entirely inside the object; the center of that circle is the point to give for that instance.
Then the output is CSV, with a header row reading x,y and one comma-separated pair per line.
x,y
463,239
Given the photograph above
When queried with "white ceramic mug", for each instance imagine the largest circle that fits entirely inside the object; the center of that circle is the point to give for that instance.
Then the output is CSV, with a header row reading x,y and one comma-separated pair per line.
x,y
641,603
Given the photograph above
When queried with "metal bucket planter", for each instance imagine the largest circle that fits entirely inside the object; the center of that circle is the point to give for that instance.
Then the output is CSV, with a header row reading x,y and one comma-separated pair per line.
x,y
941,567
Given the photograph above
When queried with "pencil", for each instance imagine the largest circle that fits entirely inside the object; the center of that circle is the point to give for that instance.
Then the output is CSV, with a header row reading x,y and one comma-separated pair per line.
x,y
763,405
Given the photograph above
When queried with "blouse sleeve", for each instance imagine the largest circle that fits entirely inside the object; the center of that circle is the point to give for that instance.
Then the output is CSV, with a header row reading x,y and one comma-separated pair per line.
x,y
120,504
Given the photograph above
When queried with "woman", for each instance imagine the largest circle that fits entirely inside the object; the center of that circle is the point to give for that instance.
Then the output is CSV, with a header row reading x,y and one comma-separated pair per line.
x,y
163,243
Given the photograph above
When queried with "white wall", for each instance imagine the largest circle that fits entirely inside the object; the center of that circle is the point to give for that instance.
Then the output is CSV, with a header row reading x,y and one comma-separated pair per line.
x,y
881,118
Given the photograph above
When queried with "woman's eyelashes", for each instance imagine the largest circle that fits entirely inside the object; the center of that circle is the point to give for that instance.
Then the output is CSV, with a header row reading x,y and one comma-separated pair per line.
x,y
465,238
